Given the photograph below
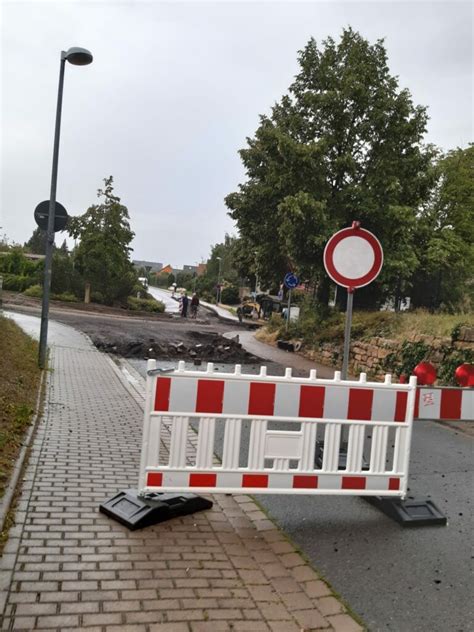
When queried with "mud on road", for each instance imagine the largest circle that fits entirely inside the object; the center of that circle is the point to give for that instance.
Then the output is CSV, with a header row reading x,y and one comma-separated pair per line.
x,y
142,335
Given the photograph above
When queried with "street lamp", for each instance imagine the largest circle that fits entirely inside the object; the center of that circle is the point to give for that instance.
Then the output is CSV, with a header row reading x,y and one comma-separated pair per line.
x,y
77,57
219,280
256,272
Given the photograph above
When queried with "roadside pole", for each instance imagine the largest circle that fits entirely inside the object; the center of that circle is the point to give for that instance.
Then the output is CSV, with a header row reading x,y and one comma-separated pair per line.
x,y
289,308
290,282
347,332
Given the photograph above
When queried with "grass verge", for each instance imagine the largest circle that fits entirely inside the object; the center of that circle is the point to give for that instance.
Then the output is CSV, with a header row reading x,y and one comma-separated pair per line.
x,y
19,383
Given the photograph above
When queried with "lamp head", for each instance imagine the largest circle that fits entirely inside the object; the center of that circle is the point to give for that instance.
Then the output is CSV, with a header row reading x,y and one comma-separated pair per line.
x,y
78,56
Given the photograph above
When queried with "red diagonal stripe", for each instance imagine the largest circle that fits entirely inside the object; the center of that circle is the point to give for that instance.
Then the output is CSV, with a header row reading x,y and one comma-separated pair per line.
x,y
450,404
360,403
261,398
255,480
162,395
210,396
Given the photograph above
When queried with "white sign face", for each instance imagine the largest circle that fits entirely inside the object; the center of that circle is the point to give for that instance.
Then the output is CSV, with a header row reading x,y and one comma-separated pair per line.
x,y
353,257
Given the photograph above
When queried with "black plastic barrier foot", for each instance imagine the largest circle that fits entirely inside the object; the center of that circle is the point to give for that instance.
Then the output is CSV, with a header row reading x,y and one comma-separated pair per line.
x,y
417,512
137,512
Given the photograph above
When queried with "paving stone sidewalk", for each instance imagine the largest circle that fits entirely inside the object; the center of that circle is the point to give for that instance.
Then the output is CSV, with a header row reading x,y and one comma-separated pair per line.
x,y
68,567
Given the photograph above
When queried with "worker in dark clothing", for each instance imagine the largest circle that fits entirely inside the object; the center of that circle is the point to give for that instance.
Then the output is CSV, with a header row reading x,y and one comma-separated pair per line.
x,y
184,304
194,305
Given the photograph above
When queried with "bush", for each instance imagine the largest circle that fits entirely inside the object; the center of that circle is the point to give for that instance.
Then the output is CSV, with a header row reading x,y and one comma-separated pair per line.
x,y
230,295
145,305
275,322
68,297
17,282
97,297
35,291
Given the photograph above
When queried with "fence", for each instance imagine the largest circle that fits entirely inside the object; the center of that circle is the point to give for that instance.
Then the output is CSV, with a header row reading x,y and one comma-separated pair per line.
x,y
275,434
450,404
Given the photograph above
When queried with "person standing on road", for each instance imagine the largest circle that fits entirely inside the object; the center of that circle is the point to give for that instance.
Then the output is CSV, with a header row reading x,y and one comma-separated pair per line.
x,y
194,305
184,305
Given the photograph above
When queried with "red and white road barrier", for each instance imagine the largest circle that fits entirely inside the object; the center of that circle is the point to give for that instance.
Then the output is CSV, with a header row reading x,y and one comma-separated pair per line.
x,y
271,428
440,403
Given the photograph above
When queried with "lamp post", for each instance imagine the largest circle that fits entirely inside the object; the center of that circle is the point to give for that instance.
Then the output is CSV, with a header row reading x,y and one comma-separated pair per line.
x,y
77,57
256,273
219,281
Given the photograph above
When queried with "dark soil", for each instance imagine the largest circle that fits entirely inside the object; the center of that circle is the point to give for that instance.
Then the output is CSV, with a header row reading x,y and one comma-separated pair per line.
x,y
143,335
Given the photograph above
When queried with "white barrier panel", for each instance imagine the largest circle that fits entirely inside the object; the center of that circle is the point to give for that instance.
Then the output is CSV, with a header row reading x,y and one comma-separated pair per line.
x,y
450,404
275,434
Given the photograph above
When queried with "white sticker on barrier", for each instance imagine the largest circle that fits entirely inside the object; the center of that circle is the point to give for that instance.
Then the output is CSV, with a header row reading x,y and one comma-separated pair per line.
x,y
429,403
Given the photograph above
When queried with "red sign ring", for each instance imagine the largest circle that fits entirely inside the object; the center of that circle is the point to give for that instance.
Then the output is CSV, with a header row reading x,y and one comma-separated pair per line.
x,y
340,278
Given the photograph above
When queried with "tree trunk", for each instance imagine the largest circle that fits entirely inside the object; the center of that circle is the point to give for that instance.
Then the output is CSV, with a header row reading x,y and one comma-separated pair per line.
x,y
87,293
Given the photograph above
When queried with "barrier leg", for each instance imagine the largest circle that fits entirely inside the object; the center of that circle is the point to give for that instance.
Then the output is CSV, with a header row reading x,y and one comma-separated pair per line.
x,y
416,512
138,511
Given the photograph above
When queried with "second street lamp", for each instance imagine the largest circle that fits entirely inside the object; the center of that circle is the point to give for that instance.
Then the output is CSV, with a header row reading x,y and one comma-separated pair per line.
x,y
77,57
219,292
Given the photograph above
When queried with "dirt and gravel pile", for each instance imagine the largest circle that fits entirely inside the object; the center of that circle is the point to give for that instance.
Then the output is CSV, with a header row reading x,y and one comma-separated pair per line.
x,y
208,346
141,335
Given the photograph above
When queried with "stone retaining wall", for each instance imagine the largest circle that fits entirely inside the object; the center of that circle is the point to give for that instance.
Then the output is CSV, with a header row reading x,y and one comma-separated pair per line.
x,y
368,355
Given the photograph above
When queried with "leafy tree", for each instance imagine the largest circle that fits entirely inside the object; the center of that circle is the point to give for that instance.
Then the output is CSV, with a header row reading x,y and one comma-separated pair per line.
x,y
102,256
65,276
36,244
345,143
445,236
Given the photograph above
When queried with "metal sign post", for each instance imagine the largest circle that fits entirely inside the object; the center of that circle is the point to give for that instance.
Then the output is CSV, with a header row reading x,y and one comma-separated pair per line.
x,y
347,332
288,312
291,281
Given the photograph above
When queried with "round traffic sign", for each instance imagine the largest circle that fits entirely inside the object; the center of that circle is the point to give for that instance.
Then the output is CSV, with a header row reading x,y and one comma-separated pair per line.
x,y
42,214
353,257
291,280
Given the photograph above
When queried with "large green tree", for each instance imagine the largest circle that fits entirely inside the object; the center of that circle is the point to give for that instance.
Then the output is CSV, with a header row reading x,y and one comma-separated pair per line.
x,y
344,144
445,236
102,255
36,244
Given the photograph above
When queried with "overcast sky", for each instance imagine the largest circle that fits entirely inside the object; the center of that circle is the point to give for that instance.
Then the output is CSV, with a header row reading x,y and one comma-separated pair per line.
x,y
173,92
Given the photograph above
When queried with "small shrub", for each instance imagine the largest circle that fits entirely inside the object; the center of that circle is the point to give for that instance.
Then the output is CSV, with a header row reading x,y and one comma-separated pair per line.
x,y
36,291
230,295
17,282
275,323
145,305
451,360
97,297
68,297
403,362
